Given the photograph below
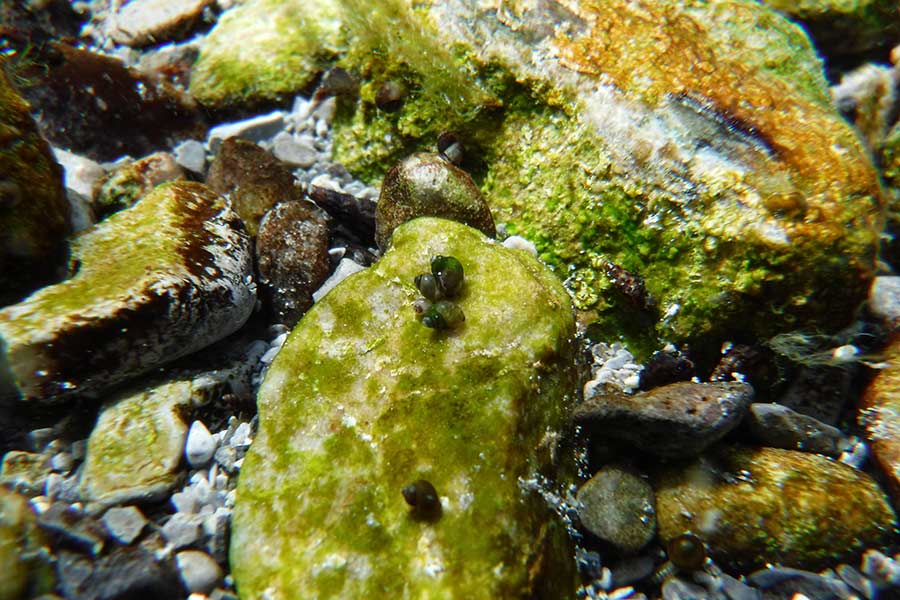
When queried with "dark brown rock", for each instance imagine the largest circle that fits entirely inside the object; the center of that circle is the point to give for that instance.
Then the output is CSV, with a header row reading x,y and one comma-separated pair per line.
x,y
253,179
292,258
673,421
93,105
426,185
778,426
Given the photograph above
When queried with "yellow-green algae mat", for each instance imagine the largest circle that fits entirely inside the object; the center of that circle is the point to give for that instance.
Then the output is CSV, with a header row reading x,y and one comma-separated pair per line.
x,y
363,400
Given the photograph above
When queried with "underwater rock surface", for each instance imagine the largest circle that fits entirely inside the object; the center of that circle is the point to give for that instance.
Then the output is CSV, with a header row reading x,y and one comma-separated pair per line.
x,y
150,284
693,144
768,505
363,400
34,212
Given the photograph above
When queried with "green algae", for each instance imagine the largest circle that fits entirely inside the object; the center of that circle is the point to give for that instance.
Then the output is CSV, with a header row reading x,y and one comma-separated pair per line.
x,y
363,400
27,569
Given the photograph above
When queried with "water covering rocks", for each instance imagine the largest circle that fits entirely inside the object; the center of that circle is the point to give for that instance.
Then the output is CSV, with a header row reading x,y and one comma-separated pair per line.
x,y
173,271
383,401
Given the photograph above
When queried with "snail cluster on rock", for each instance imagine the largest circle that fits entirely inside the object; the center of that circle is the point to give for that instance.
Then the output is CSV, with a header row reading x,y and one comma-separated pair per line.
x,y
435,308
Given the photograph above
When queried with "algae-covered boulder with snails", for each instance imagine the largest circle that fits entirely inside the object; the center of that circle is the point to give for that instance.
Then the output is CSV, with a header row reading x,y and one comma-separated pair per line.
x,y
693,144
364,399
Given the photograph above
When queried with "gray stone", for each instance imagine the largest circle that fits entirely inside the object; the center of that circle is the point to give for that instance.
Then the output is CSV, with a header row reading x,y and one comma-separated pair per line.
x,y
295,150
147,22
781,583
25,470
199,572
182,530
61,462
857,581
780,427
673,421
185,501
124,524
80,175
677,589
618,506
884,299
191,155
225,457
200,445
254,129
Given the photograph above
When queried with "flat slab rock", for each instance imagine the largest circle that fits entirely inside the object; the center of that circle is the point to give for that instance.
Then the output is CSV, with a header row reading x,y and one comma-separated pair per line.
x,y
672,421
363,400
152,283
768,505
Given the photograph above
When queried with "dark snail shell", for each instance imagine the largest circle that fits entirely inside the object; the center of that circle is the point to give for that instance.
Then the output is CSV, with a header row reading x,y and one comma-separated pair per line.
x,y
428,286
687,552
449,273
450,148
443,315
423,499
389,96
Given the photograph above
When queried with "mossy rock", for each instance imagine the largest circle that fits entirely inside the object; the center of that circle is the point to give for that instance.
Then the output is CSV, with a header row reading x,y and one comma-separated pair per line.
x,y
363,399
150,284
693,144
25,567
136,447
34,211
264,50
768,505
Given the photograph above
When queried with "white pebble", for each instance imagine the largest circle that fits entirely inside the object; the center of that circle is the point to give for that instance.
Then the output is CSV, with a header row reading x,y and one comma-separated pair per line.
x,y
519,243
296,151
191,155
199,572
344,269
124,524
845,353
241,437
200,445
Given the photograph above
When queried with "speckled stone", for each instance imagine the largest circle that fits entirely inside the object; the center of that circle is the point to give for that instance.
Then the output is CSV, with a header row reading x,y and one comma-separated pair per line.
x,y
150,284
125,185
617,505
253,179
757,506
292,258
879,414
426,185
363,399
149,22
780,427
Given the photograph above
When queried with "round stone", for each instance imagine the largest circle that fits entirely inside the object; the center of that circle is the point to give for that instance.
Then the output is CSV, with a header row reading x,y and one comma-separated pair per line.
x,y
200,445
618,506
199,572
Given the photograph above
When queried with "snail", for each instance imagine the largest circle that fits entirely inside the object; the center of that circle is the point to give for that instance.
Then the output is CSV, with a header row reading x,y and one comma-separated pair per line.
x,y
389,96
449,273
429,287
443,315
449,148
686,552
423,498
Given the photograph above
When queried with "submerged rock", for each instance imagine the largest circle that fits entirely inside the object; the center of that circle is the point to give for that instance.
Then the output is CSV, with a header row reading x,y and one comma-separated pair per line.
x,y
673,421
780,427
26,571
879,414
254,180
34,211
694,145
305,35
426,185
768,505
292,258
618,506
127,184
135,450
150,284
363,400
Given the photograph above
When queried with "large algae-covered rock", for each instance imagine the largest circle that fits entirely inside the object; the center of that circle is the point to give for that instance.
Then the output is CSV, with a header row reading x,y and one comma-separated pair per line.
x,y
363,400
691,143
34,212
151,284
879,413
264,49
768,505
